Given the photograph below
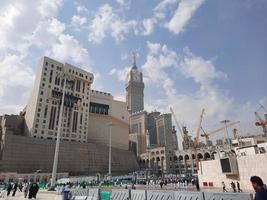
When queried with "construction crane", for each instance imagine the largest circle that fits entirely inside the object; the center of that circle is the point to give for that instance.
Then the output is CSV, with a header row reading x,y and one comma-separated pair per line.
x,y
186,139
207,135
196,139
177,123
262,123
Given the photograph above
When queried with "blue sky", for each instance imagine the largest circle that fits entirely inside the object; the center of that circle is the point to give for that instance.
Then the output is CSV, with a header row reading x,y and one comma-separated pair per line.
x,y
193,53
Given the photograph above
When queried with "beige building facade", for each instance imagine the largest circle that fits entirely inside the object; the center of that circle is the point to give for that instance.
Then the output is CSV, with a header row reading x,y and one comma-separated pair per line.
x,y
42,111
86,112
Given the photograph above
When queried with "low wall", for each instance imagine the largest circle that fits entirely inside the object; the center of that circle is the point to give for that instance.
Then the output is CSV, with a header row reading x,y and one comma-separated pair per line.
x,y
210,172
24,154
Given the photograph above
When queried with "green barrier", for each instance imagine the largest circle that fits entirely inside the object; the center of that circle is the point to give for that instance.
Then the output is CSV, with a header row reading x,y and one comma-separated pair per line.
x,y
105,195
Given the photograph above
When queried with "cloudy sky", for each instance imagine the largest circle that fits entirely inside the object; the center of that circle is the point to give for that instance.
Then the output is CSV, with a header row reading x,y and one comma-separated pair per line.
x,y
194,54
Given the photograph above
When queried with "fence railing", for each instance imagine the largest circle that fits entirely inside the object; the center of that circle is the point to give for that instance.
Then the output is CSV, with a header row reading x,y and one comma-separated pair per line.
x,y
128,194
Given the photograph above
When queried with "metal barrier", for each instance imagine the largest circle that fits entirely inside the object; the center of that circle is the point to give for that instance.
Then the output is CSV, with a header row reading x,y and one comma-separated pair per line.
x,y
138,195
120,194
160,194
79,194
228,196
93,194
184,195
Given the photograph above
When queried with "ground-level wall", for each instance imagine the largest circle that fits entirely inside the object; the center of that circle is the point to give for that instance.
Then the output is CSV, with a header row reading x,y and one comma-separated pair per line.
x,y
211,172
23,154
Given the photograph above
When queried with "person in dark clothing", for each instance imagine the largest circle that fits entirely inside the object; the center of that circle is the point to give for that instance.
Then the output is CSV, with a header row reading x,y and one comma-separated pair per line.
x,y
197,184
14,188
233,186
33,190
224,188
238,187
9,188
257,184
161,184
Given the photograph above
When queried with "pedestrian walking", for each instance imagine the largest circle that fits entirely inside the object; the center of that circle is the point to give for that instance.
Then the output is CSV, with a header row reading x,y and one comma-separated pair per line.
x,y
161,184
197,184
26,188
9,188
14,189
233,186
238,187
224,187
257,184
33,190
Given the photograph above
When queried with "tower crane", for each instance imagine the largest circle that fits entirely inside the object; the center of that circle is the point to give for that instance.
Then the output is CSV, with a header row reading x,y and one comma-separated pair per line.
x,y
207,135
196,139
262,123
177,123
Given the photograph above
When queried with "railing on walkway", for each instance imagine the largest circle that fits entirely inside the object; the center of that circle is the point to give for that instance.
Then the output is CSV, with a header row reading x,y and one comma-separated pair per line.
x,y
127,194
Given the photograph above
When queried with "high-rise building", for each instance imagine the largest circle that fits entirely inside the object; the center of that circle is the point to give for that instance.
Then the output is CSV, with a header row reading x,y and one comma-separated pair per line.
x,y
86,112
134,89
174,138
164,130
151,127
42,111
138,130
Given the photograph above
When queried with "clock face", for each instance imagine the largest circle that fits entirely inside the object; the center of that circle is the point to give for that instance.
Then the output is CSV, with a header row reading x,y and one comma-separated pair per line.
x,y
136,77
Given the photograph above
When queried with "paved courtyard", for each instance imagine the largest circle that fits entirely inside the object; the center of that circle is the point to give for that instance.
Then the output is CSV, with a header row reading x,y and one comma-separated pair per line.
x,y
42,195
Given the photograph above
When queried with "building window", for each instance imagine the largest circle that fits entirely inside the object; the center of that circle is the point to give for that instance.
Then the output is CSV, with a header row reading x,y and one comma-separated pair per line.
x,y
41,92
46,63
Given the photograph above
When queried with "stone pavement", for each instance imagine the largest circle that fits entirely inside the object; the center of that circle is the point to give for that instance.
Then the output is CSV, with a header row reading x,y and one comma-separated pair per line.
x,y
42,195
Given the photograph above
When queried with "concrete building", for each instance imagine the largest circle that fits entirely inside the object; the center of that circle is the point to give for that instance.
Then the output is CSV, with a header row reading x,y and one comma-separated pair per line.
x,y
174,139
86,111
27,141
42,111
134,89
138,130
151,127
211,175
164,131
103,110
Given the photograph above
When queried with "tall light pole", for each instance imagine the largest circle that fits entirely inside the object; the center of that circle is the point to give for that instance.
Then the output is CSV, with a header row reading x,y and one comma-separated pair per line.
x,y
109,155
55,163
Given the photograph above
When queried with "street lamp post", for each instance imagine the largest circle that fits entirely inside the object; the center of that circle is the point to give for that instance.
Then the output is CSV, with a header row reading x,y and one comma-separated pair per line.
x,y
55,163
109,159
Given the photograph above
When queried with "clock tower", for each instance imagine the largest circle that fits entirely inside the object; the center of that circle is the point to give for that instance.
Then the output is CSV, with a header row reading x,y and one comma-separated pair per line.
x,y
134,88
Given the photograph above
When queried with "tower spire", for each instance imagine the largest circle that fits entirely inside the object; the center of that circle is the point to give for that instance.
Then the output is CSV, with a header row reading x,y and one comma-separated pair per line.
x,y
134,59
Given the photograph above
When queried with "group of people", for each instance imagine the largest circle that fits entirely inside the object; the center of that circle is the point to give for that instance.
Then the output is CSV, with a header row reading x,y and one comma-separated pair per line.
x,y
235,187
30,189
257,184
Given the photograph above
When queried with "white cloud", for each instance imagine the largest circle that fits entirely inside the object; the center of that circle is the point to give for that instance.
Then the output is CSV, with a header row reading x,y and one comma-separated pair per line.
x,y
77,20
70,49
201,70
15,78
163,8
148,26
219,105
107,21
183,14
121,74
27,25
124,3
